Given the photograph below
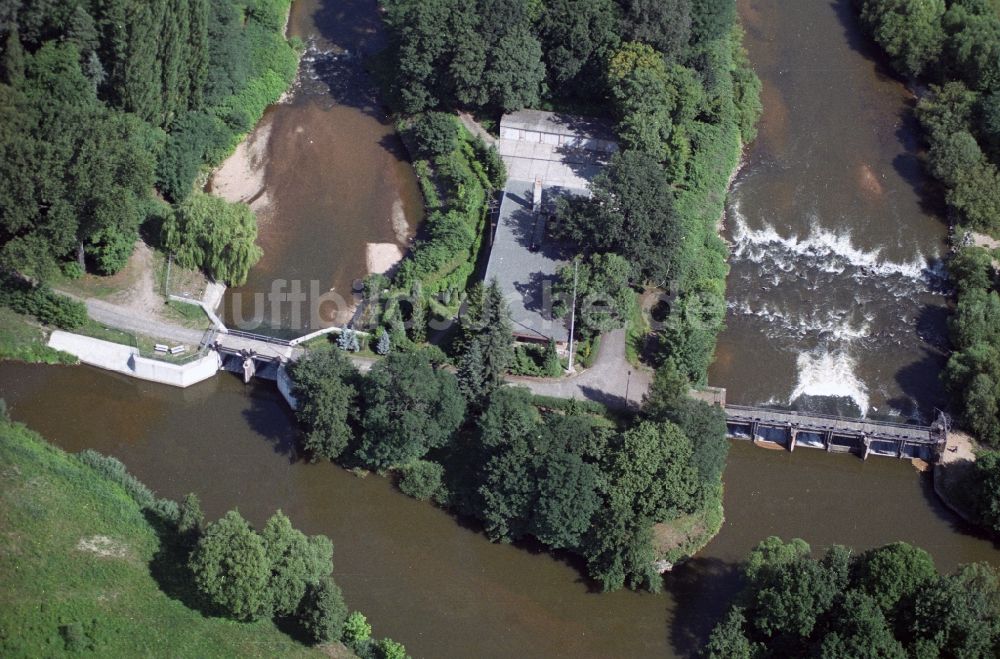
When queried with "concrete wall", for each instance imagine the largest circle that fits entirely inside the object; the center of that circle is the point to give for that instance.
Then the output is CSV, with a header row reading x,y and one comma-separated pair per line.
x,y
126,359
285,387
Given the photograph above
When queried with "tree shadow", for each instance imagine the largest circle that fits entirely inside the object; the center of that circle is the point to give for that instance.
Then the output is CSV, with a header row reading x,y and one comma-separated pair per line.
x,y
269,417
946,514
605,398
169,567
353,25
707,587
859,42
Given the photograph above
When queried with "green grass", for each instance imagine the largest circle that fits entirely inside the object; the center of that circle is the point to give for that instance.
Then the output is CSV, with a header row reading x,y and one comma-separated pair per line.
x,y
58,593
22,339
637,330
684,536
189,315
145,344
95,330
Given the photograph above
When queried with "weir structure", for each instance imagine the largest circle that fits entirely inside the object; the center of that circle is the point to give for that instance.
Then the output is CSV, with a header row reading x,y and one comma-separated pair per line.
x,y
837,434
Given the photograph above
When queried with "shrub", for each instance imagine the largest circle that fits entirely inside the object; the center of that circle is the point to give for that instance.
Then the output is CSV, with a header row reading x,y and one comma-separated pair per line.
x,y
112,469
322,612
41,302
435,134
356,629
421,479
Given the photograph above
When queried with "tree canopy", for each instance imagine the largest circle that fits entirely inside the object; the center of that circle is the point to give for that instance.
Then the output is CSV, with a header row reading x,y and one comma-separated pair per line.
x,y
409,407
887,602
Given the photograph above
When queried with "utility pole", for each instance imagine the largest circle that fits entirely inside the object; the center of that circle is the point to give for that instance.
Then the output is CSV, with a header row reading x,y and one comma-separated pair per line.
x,y
572,314
628,381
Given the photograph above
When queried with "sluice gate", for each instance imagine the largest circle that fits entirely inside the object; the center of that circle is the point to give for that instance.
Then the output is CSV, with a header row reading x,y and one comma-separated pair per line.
x,y
836,434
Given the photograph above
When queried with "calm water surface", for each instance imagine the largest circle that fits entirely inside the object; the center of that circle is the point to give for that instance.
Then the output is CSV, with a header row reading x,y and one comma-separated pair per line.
x,y
835,284
437,585
335,173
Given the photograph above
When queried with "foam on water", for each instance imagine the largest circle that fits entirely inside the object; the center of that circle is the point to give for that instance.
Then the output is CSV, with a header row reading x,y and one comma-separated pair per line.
x,y
834,326
825,250
826,373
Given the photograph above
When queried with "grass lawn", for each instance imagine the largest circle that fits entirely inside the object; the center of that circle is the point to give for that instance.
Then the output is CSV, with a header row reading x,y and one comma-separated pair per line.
x,y
77,559
686,535
188,315
22,339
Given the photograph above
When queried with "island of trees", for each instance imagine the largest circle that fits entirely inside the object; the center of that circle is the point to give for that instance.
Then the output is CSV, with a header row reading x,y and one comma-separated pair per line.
x,y
671,76
954,48
885,602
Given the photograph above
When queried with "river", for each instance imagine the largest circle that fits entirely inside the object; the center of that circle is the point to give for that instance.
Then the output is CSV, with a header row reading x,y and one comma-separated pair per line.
x,y
335,177
826,217
437,584
834,293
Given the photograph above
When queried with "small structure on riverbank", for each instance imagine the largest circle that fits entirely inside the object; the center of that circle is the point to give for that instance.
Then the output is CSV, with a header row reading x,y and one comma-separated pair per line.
x,y
548,155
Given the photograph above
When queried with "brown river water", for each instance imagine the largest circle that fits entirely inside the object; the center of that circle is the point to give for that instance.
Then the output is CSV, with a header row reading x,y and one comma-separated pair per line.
x,y
435,583
335,176
828,207
834,293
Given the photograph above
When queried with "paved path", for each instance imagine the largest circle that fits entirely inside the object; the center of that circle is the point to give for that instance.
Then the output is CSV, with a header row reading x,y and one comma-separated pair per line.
x,y
118,317
609,379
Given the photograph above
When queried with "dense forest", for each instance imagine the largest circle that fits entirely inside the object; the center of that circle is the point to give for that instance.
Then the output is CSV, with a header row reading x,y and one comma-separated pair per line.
x,y
886,602
108,107
955,48
563,472
674,80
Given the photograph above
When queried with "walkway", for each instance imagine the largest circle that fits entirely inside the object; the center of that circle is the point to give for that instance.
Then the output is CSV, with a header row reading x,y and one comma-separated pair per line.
x,y
608,380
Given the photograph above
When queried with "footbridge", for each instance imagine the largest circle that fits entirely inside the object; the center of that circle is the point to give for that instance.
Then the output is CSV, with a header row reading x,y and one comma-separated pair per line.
x,y
838,434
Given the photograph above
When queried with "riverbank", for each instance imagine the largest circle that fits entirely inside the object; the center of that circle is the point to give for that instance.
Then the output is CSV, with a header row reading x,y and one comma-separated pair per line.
x,y
84,569
952,473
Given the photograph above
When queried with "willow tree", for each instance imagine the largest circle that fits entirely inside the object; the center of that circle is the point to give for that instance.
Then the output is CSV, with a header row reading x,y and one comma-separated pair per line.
x,y
214,235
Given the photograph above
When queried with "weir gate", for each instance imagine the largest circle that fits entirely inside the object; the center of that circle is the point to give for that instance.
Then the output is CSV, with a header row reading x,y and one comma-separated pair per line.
x,y
836,434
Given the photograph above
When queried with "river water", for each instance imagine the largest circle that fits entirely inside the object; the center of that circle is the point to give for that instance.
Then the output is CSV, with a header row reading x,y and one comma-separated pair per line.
x,y
826,217
835,284
436,584
335,178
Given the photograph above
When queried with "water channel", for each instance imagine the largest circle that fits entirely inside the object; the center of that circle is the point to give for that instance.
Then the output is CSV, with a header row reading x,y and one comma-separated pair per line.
x,y
334,174
436,584
836,154
834,293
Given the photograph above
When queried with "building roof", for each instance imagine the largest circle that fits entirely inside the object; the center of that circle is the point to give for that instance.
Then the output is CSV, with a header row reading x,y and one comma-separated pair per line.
x,y
526,276
558,123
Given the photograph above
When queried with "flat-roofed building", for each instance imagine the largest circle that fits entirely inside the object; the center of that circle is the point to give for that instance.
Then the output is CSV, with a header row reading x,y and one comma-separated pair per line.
x,y
548,155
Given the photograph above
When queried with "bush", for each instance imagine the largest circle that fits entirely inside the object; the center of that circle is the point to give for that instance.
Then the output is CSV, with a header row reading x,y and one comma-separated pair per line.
x,y
356,629
41,302
113,470
421,479
322,612
435,134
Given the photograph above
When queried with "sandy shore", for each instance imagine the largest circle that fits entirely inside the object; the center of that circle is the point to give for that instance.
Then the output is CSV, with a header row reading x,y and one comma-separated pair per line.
x,y
241,176
382,257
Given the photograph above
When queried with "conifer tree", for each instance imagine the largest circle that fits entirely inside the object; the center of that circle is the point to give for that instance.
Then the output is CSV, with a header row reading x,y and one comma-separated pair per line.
x,y
489,344
384,343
